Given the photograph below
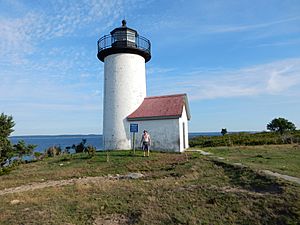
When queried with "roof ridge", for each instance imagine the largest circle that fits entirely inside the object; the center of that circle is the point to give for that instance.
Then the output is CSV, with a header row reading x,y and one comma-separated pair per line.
x,y
165,96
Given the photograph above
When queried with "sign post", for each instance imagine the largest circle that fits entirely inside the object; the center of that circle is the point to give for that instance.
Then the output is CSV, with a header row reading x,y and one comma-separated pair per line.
x,y
134,128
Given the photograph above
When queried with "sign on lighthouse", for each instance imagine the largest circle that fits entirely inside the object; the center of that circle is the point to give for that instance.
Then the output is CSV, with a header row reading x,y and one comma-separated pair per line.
x,y
124,53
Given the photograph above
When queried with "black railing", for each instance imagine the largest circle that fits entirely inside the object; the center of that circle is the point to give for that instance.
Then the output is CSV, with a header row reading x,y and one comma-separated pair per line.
x,y
124,40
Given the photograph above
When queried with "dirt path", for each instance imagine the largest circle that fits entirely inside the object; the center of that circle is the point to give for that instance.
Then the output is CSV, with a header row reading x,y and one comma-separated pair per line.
x,y
58,183
268,172
286,177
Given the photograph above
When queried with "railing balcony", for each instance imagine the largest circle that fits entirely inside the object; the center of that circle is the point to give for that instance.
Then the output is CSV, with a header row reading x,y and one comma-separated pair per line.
x,y
124,43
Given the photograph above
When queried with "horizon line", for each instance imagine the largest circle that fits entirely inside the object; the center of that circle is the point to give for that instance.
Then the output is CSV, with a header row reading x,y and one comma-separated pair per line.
x,y
45,135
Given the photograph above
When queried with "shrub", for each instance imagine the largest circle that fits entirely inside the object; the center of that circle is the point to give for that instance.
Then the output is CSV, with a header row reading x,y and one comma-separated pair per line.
x,y
80,147
262,138
91,150
8,152
53,151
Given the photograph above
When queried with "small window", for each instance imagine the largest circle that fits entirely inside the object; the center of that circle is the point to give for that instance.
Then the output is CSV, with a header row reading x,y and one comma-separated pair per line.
x,y
119,35
130,36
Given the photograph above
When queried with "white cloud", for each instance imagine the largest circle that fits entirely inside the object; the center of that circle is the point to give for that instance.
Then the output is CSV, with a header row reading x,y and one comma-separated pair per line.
x,y
276,78
159,70
243,28
279,43
281,79
14,39
23,35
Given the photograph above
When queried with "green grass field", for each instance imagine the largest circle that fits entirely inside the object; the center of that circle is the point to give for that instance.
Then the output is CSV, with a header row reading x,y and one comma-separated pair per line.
x,y
246,139
177,189
284,159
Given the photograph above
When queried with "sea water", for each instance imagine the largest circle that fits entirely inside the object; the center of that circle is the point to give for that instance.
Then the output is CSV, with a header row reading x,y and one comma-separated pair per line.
x,y
45,141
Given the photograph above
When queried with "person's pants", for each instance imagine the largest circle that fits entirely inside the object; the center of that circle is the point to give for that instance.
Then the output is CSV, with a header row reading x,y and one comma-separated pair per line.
x,y
146,146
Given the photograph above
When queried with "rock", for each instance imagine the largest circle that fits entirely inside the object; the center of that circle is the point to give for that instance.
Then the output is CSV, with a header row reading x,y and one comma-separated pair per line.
x,y
239,164
132,176
15,201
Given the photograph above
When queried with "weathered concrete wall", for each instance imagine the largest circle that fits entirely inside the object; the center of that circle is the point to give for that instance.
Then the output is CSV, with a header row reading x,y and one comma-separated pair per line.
x,y
124,91
164,134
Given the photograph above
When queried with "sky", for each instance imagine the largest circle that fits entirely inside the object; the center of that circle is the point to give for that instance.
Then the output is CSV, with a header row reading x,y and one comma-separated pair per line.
x,y
238,61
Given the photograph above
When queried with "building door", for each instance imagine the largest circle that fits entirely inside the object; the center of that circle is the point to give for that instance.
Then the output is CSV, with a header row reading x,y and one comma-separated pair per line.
x,y
183,132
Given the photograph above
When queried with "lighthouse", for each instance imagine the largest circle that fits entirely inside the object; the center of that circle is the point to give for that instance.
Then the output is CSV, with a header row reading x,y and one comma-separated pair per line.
x,y
124,53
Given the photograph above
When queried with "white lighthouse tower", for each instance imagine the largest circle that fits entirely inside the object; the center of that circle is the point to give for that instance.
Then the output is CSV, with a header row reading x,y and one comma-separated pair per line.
x,y
124,54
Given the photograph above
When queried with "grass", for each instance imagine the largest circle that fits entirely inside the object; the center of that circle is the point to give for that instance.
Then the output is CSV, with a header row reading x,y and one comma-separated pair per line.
x,y
247,139
284,159
177,189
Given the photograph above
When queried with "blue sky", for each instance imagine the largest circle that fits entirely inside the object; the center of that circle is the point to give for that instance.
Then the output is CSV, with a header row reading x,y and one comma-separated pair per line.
x,y
238,61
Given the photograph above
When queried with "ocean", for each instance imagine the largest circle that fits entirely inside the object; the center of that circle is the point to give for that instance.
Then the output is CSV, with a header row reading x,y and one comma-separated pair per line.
x,y
45,141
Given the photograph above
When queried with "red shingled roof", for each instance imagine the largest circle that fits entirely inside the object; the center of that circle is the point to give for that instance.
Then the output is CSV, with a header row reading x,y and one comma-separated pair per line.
x,y
161,107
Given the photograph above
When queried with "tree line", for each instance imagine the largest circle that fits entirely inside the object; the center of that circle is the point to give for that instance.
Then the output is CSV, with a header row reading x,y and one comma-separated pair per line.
x,y
281,130
12,154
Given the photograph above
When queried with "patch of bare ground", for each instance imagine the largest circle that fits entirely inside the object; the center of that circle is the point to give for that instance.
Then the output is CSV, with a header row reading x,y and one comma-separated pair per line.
x,y
58,183
118,219
225,189
175,189
282,176
114,219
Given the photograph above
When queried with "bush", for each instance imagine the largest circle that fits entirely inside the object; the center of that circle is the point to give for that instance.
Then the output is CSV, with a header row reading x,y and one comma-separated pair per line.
x,y
80,147
7,169
91,150
9,152
53,151
38,155
236,139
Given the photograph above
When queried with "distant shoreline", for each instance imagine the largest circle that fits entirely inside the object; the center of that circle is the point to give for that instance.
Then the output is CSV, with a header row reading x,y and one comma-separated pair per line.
x,y
209,133
66,140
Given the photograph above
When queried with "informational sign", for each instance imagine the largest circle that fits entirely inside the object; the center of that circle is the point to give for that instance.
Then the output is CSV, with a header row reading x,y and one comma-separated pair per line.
x,y
134,128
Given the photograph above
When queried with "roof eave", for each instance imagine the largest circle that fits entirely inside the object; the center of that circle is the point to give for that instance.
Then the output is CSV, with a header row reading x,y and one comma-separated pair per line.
x,y
153,118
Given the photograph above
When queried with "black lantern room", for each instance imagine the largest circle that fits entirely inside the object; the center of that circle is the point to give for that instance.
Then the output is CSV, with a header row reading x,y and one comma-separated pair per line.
x,y
124,40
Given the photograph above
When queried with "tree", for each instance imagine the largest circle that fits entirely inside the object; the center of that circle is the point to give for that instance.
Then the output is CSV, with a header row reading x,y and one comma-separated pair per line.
x,y
53,151
6,128
281,125
224,131
91,150
22,149
7,150
81,146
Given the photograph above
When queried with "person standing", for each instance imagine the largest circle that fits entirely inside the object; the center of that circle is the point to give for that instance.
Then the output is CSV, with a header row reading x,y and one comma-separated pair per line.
x,y
146,142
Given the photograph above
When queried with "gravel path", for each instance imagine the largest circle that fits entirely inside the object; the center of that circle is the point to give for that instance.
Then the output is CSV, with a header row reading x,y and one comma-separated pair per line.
x,y
286,177
268,172
58,183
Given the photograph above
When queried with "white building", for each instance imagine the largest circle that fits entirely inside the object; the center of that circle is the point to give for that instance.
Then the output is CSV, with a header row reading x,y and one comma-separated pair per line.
x,y
124,54
166,119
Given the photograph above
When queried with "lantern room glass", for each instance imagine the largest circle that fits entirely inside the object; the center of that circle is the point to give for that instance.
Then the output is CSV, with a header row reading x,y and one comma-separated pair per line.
x,y
123,35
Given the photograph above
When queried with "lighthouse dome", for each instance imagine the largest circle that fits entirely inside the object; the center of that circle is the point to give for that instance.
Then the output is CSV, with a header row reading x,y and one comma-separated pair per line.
x,y
124,40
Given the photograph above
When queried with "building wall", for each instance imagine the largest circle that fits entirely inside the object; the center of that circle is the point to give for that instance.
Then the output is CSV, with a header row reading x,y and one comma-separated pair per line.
x,y
183,132
124,91
164,134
